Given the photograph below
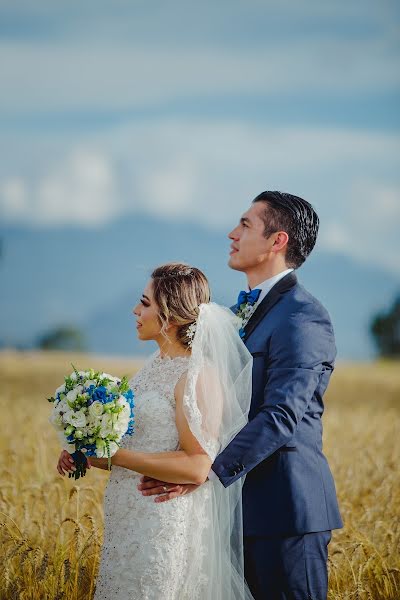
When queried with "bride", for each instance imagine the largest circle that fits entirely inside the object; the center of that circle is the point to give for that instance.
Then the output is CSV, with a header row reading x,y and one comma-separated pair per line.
x,y
191,398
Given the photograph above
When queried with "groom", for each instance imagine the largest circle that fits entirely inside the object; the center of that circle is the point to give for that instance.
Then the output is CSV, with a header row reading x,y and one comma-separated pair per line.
x,y
289,498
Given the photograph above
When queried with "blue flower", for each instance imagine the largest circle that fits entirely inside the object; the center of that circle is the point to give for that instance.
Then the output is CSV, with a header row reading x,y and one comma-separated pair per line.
x,y
130,429
129,395
100,394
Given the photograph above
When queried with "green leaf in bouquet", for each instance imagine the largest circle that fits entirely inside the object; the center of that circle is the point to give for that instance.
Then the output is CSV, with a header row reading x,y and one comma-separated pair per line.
x,y
75,370
108,454
52,399
69,383
124,385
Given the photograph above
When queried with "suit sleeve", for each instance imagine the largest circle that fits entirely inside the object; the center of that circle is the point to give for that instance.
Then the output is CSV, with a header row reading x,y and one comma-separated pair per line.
x,y
300,352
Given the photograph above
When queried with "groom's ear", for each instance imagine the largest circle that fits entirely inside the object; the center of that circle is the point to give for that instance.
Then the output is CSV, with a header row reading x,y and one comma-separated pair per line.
x,y
280,242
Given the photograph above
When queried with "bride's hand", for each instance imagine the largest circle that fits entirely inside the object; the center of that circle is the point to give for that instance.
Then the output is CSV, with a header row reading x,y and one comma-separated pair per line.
x,y
65,463
163,490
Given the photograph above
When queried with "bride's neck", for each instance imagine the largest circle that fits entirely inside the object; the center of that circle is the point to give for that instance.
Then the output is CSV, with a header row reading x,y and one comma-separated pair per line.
x,y
172,349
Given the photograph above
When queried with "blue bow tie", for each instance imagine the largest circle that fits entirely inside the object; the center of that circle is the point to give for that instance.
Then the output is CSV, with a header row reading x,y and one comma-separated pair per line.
x,y
248,297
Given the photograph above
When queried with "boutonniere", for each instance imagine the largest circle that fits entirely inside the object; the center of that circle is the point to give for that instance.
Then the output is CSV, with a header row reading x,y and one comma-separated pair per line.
x,y
247,304
244,313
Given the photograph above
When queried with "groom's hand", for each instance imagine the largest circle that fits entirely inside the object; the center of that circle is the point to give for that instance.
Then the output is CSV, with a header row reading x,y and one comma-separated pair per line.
x,y
163,490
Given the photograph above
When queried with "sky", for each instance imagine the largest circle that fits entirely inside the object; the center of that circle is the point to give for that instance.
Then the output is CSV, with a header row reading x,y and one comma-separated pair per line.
x,y
186,111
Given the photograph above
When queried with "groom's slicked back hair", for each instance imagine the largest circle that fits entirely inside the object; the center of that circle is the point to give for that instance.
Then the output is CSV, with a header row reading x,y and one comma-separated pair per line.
x,y
285,212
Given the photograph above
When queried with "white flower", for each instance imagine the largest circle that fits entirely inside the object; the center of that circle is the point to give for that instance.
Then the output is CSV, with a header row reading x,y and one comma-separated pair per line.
x,y
56,420
108,376
71,396
122,401
66,416
101,448
64,444
91,426
245,312
113,448
60,390
238,322
90,382
107,427
62,406
77,419
95,409
121,425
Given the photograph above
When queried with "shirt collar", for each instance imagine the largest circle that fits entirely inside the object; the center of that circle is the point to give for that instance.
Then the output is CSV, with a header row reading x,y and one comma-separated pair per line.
x,y
268,284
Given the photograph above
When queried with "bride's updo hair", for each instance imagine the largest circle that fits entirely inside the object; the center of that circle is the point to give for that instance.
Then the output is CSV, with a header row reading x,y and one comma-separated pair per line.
x,y
178,291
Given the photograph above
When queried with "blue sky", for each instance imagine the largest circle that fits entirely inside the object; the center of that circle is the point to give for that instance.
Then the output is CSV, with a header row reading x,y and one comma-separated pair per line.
x,y
187,110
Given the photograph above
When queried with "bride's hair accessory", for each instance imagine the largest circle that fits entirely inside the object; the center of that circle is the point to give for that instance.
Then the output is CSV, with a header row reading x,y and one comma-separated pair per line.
x,y
191,333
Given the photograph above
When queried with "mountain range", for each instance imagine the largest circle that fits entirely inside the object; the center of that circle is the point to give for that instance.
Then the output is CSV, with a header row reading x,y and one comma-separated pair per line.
x,y
91,278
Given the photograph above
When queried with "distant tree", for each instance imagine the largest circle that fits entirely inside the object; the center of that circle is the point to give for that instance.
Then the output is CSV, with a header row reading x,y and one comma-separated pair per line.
x,y
385,328
64,337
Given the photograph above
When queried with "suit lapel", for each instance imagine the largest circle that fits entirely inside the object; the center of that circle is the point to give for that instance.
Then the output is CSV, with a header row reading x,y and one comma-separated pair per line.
x,y
270,299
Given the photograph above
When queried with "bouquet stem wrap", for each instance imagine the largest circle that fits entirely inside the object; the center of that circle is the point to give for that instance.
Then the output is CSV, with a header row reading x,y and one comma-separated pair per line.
x,y
80,462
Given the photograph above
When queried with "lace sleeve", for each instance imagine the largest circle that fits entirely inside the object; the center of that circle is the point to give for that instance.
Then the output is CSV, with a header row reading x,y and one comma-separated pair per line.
x,y
204,415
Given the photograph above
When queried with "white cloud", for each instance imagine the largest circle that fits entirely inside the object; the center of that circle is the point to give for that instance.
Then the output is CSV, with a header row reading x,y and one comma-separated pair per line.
x,y
370,230
79,190
73,75
13,199
170,188
208,172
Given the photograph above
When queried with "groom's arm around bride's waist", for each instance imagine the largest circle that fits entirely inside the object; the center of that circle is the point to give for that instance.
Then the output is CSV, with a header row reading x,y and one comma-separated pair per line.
x,y
289,379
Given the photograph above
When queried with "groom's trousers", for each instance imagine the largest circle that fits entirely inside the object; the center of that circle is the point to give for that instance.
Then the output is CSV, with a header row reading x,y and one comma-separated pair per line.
x,y
291,568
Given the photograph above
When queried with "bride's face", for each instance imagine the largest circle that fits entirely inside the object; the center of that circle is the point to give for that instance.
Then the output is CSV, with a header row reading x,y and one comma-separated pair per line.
x,y
147,323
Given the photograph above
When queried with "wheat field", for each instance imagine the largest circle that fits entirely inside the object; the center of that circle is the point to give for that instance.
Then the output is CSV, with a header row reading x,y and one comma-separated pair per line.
x,y
51,527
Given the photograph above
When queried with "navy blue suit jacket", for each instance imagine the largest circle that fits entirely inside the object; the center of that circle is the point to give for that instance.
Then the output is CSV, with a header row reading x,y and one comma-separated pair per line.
x,y
289,489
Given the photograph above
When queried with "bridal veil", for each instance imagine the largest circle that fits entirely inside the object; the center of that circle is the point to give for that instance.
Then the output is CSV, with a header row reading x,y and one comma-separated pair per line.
x,y
216,403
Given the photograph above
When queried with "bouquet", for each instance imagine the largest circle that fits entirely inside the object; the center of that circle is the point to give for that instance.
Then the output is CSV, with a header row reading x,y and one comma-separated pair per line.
x,y
92,412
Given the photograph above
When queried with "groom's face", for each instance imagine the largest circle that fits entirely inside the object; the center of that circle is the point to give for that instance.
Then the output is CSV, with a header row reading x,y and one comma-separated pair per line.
x,y
249,246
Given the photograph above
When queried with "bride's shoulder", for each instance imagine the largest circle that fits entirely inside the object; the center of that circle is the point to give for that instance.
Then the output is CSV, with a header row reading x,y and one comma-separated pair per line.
x,y
143,368
160,372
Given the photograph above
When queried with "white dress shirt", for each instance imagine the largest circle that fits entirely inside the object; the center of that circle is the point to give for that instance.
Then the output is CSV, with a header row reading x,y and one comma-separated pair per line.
x,y
268,284
265,287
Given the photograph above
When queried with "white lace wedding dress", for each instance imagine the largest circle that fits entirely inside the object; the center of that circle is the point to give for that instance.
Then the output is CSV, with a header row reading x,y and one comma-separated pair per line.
x,y
149,546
